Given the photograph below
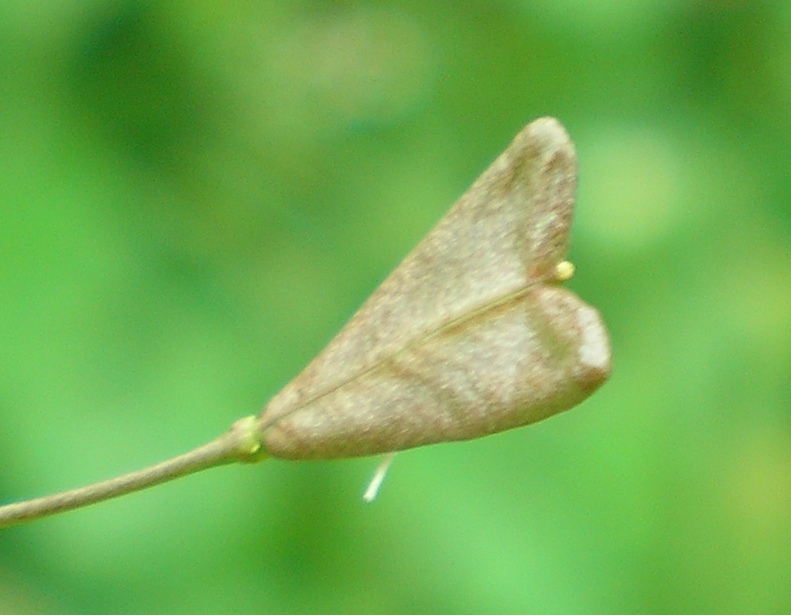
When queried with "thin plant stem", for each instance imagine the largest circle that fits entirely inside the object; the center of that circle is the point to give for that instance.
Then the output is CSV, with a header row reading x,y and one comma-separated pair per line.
x,y
240,443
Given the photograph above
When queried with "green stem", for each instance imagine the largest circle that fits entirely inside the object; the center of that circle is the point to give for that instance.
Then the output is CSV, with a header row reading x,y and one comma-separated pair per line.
x,y
240,443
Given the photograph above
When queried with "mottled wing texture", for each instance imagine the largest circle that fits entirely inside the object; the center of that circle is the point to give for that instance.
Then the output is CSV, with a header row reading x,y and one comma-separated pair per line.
x,y
470,335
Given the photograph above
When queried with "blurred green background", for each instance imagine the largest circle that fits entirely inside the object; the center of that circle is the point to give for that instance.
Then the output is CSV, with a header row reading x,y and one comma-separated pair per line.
x,y
195,196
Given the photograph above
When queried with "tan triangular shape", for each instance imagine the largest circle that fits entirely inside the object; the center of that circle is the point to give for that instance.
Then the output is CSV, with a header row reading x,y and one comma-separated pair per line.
x,y
469,335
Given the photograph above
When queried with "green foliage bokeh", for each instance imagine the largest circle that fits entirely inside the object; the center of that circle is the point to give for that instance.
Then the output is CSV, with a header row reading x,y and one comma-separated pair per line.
x,y
194,196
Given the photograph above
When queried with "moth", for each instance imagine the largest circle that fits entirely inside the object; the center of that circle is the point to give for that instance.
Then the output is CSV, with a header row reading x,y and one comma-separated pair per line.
x,y
472,334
